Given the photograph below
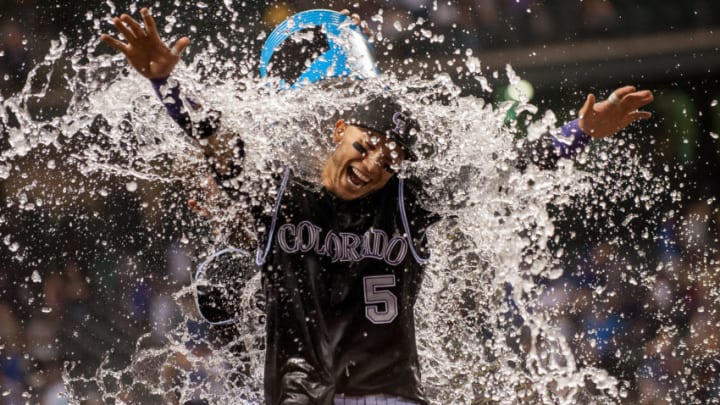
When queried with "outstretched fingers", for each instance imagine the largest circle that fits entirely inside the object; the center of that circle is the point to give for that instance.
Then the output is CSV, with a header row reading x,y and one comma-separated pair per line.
x,y
588,106
641,115
624,91
629,98
637,99
180,46
631,102
635,116
124,30
144,49
149,23
119,45
134,26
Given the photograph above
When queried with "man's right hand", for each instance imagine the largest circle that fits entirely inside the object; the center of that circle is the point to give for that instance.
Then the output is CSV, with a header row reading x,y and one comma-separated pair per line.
x,y
144,49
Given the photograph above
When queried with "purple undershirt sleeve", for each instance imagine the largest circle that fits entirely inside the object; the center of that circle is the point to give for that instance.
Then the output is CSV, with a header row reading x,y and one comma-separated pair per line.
x,y
169,93
570,139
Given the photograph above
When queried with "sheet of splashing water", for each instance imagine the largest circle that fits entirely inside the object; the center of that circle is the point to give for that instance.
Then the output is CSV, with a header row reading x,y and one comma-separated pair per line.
x,y
482,335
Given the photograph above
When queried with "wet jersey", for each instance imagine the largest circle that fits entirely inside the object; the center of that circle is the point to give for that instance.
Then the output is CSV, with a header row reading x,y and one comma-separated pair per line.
x,y
341,277
340,280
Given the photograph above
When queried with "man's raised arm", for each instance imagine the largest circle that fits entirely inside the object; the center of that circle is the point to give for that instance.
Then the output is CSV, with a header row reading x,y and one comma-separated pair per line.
x,y
596,121
152,58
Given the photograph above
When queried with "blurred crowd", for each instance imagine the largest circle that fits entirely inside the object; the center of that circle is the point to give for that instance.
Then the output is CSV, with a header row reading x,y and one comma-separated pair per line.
x,y
649,318
502,23
63,317
655,329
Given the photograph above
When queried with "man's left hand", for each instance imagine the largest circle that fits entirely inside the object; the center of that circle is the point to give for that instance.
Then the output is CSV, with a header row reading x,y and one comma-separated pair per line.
x,y
603,119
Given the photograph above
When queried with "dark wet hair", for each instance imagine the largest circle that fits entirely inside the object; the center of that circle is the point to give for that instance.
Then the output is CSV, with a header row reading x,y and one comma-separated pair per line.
x,y
386,116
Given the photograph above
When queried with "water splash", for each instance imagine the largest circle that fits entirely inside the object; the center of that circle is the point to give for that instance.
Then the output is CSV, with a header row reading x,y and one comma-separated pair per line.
x,y
483,337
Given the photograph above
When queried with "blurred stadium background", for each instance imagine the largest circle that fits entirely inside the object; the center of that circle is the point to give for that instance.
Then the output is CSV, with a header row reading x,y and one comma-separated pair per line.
x,y
658,334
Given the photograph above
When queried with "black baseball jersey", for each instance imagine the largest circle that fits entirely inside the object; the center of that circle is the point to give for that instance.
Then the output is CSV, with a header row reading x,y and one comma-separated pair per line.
x,y
340,282
341,277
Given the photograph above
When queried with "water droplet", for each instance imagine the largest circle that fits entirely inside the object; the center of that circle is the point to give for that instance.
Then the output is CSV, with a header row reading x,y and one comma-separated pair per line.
x,y
46,310
397,26
35,277
484,84
171,20
131,186
701,309
4,172
713,135
472,63
14,247
51,164
714,103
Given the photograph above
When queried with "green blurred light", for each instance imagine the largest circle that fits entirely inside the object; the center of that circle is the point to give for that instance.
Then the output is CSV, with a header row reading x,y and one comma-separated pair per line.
x,y
523,89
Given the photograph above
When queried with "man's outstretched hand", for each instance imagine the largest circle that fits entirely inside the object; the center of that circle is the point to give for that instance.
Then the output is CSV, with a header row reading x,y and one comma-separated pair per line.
x,y
144,49
603,119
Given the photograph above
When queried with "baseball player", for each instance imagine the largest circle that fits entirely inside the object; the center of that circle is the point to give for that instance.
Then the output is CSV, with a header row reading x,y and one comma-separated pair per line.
x,y
342,260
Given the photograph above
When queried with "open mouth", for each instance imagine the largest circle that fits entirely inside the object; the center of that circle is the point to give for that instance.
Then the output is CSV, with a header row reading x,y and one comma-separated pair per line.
x,y
356,178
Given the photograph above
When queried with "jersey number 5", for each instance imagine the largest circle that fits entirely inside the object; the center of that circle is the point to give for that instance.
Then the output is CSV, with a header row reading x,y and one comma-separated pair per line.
x,y
381,304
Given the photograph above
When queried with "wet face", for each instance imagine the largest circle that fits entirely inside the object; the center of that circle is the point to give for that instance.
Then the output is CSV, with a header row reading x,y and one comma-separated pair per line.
x,y
362,163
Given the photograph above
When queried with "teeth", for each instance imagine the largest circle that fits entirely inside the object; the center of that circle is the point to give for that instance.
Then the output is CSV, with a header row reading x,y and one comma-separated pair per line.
x,y
360,175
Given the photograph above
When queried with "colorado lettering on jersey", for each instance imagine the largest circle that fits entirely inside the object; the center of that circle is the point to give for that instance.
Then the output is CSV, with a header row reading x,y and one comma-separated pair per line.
x,y
342,246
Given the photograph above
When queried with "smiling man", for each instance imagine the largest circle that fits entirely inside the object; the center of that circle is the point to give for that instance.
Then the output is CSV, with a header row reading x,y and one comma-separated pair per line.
x,y
342,271
342,261
370,147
